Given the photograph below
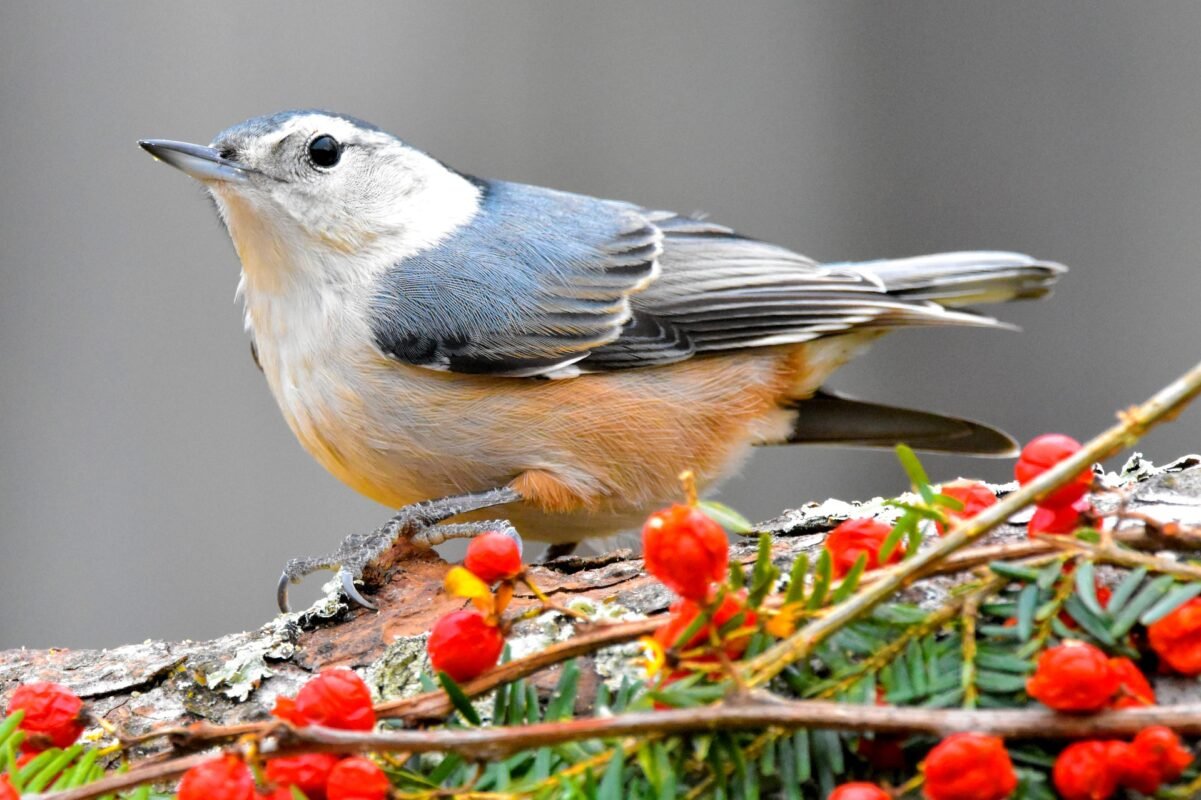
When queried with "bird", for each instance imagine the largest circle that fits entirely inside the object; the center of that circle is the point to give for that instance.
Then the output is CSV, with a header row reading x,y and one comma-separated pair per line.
x,y
481,354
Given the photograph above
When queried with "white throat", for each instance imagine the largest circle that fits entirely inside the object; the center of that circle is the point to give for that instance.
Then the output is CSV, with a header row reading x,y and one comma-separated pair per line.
x,y
300,276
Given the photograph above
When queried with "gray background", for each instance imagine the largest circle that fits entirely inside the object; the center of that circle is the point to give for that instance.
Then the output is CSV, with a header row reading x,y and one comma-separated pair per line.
x,y
148,487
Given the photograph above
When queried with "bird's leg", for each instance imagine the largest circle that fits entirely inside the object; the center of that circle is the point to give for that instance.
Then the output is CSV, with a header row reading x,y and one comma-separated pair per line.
x,y
417,523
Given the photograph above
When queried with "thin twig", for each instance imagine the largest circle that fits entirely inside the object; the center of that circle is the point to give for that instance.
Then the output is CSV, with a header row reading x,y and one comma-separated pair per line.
x,y
1125,557
482,744
436,704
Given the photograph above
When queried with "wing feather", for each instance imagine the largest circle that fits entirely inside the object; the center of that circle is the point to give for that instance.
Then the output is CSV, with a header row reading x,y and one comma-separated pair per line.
x,y
558,284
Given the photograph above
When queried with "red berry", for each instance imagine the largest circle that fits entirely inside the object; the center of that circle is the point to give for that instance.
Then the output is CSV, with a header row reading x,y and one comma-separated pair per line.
x,y
1177,638
972,495
493,557
464,645
853,538
1044,452
307,772
7,792
859,791
356,778
1084,770
52,715
1133,688
221,778
337,698
686,550
969,766
1073,676
1060,519
1156,756
683,612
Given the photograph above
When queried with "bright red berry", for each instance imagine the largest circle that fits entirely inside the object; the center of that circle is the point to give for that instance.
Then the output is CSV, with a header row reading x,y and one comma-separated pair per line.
x,y
356,778
1084,770
855,537
1061,519
686,550
463,644
859,791
1156,756
972,495
1133,688
493,557
1044,452
683,612
7,792
337,698
969,766
1073,676
308,772
1177,638
52,715
221,778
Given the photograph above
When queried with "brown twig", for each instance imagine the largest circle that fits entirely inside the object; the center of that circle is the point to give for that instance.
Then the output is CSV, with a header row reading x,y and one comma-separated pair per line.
x,y
436,704
483,744
1125,556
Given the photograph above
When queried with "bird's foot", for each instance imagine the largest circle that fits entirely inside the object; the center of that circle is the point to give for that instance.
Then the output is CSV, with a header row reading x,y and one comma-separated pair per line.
x,y
417,524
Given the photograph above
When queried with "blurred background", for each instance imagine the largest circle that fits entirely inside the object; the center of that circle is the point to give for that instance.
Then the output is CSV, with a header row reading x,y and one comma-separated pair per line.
x,y
149,487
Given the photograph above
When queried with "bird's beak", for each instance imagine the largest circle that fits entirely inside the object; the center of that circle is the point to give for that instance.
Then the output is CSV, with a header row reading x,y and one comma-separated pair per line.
x,y
202,163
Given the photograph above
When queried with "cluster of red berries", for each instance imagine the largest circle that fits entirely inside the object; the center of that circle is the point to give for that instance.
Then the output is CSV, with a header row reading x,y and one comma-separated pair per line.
x,y
320,776
466,643
1066,508
1077,677
690,554
52,716
1094,769
963,766
336,698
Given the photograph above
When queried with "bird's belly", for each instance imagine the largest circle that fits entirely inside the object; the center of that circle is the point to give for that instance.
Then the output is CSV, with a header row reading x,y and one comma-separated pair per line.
x,y
617,441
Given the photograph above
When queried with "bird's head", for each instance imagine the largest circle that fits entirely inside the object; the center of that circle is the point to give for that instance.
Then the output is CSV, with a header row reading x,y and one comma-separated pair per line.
x,y
318,192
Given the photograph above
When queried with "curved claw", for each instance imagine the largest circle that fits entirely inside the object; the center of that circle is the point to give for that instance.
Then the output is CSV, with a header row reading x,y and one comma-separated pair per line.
x,y
281,593
352,591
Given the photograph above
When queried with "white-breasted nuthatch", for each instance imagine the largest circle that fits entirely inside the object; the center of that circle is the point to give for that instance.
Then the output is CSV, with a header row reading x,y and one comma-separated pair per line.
x,y
460,347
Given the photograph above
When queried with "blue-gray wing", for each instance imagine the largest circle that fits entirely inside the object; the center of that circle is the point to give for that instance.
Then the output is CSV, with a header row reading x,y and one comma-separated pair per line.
x,y
535,282
544,283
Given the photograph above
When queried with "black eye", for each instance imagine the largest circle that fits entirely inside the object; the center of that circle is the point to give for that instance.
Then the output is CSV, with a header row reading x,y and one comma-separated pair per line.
x,y
324,151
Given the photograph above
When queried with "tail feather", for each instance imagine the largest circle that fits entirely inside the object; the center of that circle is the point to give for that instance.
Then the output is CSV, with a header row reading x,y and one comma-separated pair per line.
x,y
955,280
827,418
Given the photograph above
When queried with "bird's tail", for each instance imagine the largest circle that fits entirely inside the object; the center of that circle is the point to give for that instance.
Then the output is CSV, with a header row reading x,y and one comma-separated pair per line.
x,y
955,280
829,418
